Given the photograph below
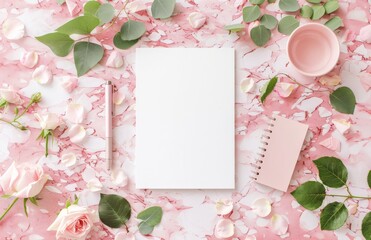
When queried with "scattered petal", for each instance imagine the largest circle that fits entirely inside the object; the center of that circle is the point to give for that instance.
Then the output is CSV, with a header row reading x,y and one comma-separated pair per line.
x,y
76,133
285,89
279,224
69,159
250,238
224,229
352,208
341,125
330,80
13,29
73,7
75,112
94,185
308,221
247,85
118,98
119,178
29,59
224,207
365,34
48,121
331,143
115,60
196,19
262,207
42,75
69,84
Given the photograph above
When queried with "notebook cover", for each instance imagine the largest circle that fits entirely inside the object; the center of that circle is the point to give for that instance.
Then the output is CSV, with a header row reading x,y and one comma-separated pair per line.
x,y
185,118
282,151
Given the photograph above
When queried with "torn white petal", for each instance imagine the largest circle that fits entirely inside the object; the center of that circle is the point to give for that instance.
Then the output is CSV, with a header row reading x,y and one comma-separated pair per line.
x,y
279,224
331,143
224,229
224,207
76,133
94,185
75,112
196,19
341,125
69,159
285,89
330,80
262,207
69,84
115,60
247,85
118,98
42,74
29,59
119,178
13,29
73,8
308,221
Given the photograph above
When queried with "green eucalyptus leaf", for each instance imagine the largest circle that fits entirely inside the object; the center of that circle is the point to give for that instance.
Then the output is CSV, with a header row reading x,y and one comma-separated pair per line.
x,y
132,30
271,1
268,21
162,9
332,171
289,5
256,2
318,12
369,178
343,100
91,8
234,27
331,6
151,217
333,216
268,88
306,11
250,13
105,13
260,35
287,25
314,1
366,226
114,211
121,44
61,44
334,23
79,25
310,195
86,55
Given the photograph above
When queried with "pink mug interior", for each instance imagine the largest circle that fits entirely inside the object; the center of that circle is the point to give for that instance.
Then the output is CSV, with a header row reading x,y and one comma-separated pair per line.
x,y
313,49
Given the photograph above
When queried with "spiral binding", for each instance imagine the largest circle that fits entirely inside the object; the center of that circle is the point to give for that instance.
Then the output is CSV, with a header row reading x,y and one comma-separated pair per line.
x,y
261,154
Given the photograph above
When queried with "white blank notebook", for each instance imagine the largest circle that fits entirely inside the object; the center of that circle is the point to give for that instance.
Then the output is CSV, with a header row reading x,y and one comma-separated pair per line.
x,y
185,118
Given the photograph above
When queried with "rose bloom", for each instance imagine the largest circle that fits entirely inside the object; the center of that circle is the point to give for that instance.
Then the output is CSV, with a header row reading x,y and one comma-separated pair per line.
x,y
48,121
23,180
9,95
74,222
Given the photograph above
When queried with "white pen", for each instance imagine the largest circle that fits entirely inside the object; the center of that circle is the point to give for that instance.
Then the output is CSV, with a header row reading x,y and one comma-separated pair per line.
x,y
109,114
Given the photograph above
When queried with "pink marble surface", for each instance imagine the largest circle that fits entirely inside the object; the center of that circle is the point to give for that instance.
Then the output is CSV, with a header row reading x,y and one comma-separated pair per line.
x,y
187,214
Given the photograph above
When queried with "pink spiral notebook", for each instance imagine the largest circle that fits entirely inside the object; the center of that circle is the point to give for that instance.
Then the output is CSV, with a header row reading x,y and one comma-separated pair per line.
x,y
281,145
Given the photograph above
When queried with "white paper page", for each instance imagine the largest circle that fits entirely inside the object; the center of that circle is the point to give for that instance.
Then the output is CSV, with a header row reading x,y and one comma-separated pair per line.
x,y
185,118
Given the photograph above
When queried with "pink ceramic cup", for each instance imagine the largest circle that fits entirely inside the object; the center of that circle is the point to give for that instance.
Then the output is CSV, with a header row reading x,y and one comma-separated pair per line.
x,y
313,49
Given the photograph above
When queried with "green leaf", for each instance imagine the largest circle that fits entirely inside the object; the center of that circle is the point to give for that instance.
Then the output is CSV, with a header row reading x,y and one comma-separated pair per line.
x,y
68,203
6,196
3,102
306,11
151,217
114,211
91,8
268,88
334,23
333,216
310,195
86,55
260,35
132,30
314,1
271,1
287,25
343,100
60,2
33,200
234,27
162,9
256,2
318,12
366,226
105,13
332,171
369,178
268,21
331,6
79,25
289,5
16,111
61,44
25,206
250,13
119,43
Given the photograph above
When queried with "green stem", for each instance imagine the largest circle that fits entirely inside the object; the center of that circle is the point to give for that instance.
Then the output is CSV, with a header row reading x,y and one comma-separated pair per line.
x,y
347,196
8,209
327,90
24,111
19,126
47,145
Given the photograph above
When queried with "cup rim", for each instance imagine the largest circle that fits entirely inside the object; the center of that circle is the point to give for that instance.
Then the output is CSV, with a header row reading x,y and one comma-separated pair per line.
x,y
337,50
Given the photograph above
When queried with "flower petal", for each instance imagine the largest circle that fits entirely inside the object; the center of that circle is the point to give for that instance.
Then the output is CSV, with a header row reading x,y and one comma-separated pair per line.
x,y
76,133
115,60
29,59
69,159
13,29
73,7
342,125
69,84
75,112
285,89
279,224
118,97
224,207
94,185
262,207
42,75
119,178
247,85
330,80
331,143
10,95
365,34
224,229
196,19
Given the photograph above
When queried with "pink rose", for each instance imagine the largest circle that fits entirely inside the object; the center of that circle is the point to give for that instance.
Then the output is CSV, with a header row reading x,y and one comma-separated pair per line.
x,y
23,180
10,95
74,222
48,121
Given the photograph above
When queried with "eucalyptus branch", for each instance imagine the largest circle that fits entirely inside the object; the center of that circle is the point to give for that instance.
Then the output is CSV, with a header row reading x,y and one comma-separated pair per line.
x,y
347,196
8,209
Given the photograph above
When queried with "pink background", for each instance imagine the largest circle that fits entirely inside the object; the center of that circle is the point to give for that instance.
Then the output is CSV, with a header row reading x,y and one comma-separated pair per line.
x,y
187,214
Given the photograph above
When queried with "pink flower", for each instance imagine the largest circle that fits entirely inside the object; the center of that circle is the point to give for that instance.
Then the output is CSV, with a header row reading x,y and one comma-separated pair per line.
x,y
10,95
24,180
74,222
48,121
